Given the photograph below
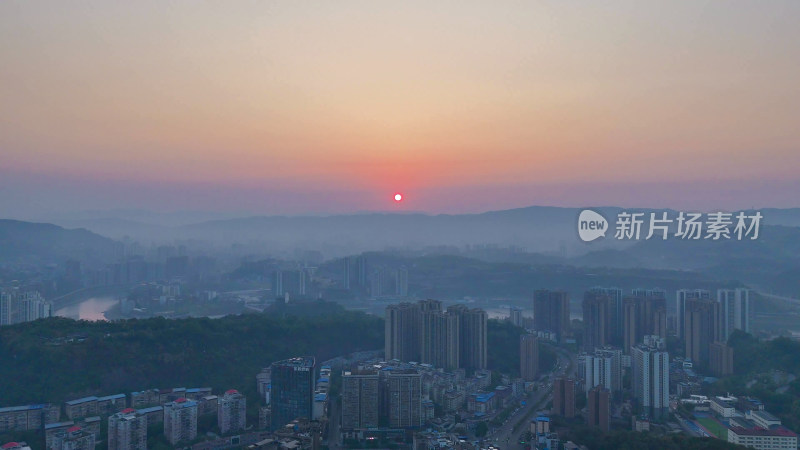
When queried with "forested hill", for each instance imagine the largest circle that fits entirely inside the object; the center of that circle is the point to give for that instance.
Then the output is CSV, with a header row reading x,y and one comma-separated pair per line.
x,y
59,359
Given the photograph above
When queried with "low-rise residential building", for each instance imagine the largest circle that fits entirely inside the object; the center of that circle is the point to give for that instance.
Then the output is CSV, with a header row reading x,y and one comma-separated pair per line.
x,y
170,395
427,410
640,423
81,407
143,399
235,442
153,414
197,393
111,404
481,403
28,417
453,400
207,405
59,429
52,429
74,438
540,425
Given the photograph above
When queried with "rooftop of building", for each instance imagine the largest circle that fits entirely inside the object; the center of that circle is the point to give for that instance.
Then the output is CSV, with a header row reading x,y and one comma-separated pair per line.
x,y
764,415
182,403
723,402
360,372
300,361
13,445
150,409
195,390
51,426
82,400
23,408
775,431
483,397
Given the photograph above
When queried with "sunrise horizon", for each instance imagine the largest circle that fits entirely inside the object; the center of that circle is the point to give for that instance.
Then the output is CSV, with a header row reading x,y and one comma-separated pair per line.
x,y
285,109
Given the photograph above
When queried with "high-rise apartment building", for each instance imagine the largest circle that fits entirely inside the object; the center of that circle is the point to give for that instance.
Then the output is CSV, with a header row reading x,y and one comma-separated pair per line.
x,y
515,316
292,390
423,332
22,306
347,275
361,271
681,297
720,357
615,312
360,399
402,332
551,312
644,314
529,357
180,421
231,412
472,337
440,339
703,325
404,398
401,282
735,310
603,368
564,397
598,402
651,379
596,320
127,430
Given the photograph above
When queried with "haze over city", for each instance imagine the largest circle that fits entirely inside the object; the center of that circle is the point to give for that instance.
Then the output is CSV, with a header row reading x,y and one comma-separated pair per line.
x,y
410,225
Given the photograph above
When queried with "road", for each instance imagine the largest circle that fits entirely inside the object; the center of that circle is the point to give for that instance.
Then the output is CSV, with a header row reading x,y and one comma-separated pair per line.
x,y
334,424
505,437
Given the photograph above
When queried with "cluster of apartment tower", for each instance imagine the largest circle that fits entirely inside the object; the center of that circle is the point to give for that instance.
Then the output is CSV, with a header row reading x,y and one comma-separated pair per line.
x,y
703,323
17,306
425,332
633,328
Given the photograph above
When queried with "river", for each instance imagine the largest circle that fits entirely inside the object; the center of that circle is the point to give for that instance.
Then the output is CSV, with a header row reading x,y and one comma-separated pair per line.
x,y
92,308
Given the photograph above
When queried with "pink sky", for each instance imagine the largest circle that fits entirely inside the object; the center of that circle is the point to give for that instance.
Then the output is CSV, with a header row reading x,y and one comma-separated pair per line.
x,y
334,106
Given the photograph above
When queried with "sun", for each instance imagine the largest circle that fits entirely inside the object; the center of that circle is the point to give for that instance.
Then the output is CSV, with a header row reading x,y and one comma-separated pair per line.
x,y
398,197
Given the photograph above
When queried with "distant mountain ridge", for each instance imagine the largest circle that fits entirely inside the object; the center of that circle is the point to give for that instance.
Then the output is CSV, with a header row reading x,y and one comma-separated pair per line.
x,y
537,228
44,243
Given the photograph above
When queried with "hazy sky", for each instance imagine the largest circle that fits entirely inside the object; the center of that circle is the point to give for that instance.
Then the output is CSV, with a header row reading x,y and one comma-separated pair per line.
x,y
303,107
